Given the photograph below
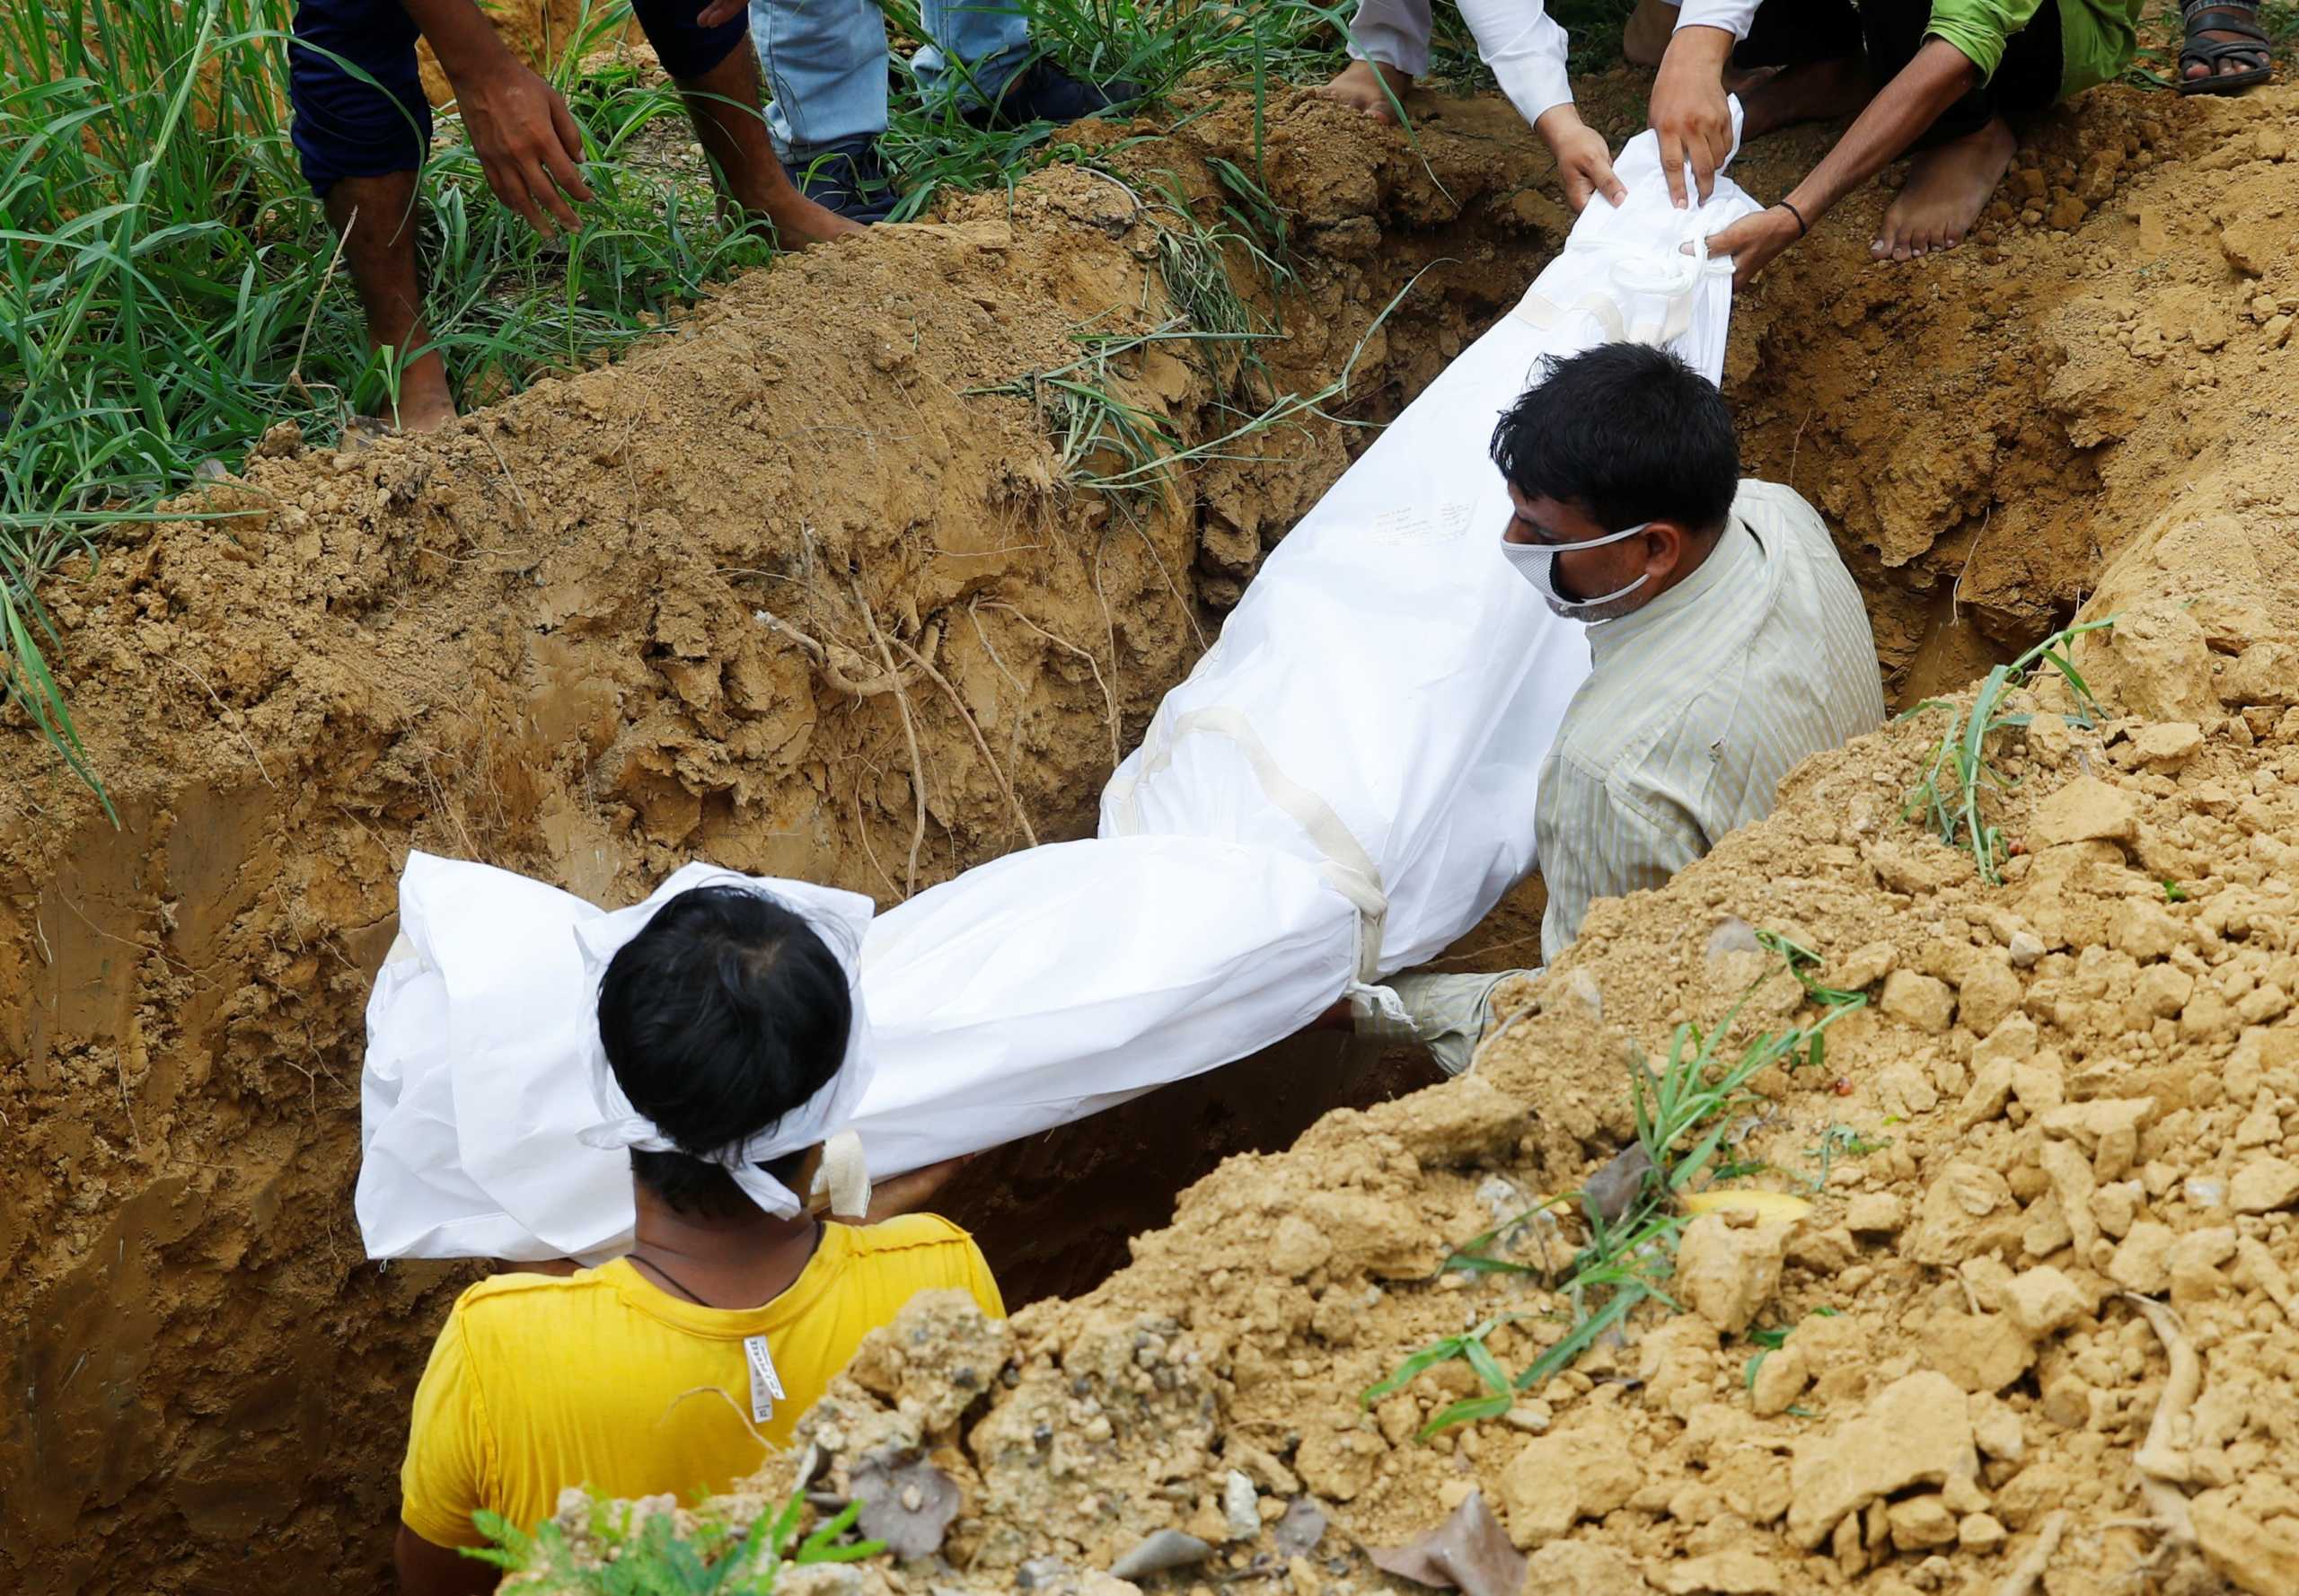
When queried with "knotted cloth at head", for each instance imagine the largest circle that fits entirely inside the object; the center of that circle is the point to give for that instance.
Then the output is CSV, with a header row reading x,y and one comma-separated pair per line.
x,y
838,919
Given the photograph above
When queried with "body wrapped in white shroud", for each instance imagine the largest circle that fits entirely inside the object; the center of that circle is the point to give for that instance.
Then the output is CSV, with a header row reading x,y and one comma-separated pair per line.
x,y
1341,787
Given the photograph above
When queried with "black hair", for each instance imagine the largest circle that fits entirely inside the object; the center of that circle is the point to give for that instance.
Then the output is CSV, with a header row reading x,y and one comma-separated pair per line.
x,y
1623,433
723,1014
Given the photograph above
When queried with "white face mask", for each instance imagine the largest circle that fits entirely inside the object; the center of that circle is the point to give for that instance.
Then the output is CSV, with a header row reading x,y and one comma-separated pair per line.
x,y
1536,563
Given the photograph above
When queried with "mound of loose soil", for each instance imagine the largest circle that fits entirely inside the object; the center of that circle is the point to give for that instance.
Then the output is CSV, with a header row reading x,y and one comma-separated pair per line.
x,y
1982,429
2068,1107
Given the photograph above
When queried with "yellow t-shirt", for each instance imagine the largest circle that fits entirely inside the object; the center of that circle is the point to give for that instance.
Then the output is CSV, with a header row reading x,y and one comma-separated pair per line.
x,y
538,1382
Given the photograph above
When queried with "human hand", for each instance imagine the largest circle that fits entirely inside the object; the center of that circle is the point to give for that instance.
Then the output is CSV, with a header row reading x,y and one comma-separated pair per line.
x,y
1584,162
527,143
720,10
1688,109
1753,242
908,1194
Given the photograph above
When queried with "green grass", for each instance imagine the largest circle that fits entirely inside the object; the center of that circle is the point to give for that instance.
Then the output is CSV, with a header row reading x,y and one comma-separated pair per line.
x,y
1767,1341
1254,48
1839,1141
1595,29
1683,1114
1094,429
1138,449
652,1558
1204,316
1106,443
1161,45
1951,796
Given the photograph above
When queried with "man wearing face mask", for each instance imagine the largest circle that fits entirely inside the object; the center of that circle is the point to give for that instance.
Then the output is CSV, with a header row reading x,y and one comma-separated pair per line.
x,y
1727,639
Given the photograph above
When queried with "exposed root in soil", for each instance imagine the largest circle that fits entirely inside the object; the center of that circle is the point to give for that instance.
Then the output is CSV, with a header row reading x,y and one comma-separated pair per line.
x,y
2027,1575
909,734
2161,1466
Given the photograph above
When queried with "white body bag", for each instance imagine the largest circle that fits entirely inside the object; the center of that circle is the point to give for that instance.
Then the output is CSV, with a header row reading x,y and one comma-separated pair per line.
x,y
1341,787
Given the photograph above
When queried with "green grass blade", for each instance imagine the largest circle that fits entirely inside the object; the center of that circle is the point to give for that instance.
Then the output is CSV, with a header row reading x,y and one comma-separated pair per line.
x,y
1583,1336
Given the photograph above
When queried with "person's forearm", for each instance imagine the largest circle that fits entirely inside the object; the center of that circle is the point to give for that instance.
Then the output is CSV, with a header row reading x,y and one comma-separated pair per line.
x,y
1555,122
1705,45
1733,16
1939,75
461,36
1526,50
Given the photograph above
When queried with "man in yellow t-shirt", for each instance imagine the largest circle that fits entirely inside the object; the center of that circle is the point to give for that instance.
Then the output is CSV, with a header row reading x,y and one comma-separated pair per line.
x,y
539,1383
724,1018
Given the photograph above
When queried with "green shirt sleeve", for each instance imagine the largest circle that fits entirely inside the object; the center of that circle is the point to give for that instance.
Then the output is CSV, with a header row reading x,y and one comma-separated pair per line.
x,y
1980,28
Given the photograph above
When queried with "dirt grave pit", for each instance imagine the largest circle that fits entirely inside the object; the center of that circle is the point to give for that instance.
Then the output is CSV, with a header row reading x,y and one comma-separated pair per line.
x,y
535,642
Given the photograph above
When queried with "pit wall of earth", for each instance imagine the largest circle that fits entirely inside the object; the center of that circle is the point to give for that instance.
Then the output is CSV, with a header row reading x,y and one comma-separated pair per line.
x,y
561,638
2036,1329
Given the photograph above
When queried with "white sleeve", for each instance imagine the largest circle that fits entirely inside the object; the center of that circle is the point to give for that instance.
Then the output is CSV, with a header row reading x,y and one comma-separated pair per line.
x,y
1526,50
1394,32
1731,15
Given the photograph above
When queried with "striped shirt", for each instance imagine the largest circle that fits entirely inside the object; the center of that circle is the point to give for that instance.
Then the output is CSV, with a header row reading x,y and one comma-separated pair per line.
x,y
1699,702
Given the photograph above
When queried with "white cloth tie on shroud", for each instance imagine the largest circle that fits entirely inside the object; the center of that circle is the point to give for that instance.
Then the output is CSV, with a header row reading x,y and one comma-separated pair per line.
x,y
839,918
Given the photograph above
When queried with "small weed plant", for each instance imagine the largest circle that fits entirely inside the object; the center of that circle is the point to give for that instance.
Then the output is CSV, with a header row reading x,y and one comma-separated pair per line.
x,y
1685,1113
652,1558
1767,1341
1111,445
1951,798
1839,1141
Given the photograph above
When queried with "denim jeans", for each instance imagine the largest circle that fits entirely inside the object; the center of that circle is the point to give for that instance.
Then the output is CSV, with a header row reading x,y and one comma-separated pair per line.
x,y
825,63
346,126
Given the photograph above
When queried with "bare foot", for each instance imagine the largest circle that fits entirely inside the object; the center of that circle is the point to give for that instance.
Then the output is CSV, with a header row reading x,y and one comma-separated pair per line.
x,y
425,402
1946,190
765,192
1358,87
797,220
1645,37
429,419
1819,92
